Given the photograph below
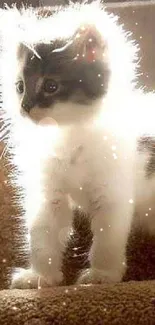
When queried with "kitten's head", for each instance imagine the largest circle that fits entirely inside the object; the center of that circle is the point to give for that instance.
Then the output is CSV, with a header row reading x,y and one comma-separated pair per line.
x,y
62,80
67,61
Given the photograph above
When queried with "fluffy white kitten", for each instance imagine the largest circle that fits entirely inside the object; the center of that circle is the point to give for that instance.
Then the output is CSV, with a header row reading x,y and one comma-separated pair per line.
x,y
69,94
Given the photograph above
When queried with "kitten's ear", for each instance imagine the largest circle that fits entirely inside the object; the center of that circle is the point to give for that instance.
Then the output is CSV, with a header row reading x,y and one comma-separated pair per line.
x,y
89,44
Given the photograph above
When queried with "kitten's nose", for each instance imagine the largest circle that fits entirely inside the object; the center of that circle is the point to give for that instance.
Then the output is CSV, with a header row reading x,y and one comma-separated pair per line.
x,y
27,105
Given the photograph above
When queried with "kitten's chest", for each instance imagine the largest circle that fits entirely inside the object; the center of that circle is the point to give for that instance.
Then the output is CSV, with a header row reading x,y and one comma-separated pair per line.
x,y
74,163
74,159
84,156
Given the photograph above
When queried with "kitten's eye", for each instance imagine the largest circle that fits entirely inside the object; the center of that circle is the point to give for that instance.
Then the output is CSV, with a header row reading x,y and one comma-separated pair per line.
x,y
20,87
50,86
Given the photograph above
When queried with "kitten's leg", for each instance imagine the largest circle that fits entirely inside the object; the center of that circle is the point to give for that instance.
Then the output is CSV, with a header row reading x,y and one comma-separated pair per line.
x,y
49,241
49,234
110,232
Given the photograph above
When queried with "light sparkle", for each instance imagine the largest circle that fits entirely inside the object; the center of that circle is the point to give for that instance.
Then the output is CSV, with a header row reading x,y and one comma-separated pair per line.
x,y
71,232
115,156
78,35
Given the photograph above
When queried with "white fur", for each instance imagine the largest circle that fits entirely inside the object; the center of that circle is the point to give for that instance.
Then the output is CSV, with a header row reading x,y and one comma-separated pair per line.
x,y
88,157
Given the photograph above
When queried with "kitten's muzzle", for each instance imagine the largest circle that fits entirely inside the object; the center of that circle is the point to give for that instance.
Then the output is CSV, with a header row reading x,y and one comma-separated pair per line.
x,y
27,105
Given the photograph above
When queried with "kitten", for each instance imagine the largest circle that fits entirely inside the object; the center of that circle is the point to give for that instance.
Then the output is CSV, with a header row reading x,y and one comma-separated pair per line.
x,y
71,81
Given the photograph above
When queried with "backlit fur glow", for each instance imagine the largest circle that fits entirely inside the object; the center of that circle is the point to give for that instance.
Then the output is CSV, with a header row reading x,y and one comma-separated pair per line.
x,y
27,28
81,159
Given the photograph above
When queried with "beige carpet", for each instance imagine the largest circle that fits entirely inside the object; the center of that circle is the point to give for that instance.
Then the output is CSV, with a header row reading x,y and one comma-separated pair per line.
x,y
128,304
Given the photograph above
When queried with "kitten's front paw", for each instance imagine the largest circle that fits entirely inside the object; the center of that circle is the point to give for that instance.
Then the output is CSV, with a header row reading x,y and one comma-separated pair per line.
x,y
96,276
27,279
